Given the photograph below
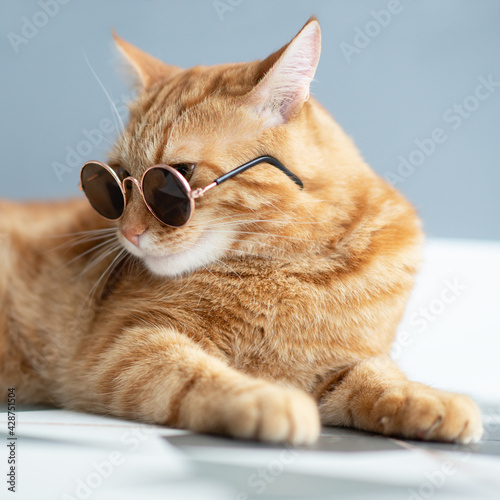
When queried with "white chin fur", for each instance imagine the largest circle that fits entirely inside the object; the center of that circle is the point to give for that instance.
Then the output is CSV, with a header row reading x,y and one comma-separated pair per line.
x,y
204,251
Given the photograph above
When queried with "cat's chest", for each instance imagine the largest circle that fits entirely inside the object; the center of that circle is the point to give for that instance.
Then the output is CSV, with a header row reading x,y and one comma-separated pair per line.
x,y
236,297
260,319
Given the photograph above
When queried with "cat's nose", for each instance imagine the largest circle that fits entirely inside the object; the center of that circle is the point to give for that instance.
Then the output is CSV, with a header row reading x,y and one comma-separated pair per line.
x,y
133,234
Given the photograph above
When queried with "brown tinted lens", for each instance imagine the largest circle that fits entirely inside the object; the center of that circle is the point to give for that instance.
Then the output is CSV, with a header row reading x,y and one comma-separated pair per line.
x,y
102,191
167,197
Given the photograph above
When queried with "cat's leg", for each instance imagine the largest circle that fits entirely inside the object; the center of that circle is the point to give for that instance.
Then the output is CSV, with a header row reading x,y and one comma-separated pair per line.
x,y
161,376
374,395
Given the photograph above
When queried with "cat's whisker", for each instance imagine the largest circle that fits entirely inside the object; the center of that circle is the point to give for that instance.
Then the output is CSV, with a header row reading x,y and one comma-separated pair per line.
x,y
256,221
268,203
251,254
243,252
210,221
116,260
240,218
265,244
108,140
116,116
270,235
100,257
90,250
233,218
228,266
205,266
79,241
77,233
202,295
103,252
81,235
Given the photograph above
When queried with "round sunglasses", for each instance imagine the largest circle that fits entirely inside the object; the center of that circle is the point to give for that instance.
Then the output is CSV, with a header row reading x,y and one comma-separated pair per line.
x,y
165,191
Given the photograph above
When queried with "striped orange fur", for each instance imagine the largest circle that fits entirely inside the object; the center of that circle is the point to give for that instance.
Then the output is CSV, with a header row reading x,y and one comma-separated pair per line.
x,y
272,310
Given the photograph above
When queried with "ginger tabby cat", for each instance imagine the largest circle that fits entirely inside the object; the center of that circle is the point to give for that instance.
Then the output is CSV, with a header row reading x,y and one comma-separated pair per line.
x,y
271,311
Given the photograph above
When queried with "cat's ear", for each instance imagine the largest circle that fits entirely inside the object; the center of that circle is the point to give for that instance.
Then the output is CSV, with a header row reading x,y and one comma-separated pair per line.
x,y
147,68
284,88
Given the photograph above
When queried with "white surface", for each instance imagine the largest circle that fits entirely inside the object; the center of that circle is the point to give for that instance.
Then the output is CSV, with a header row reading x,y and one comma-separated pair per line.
x,y
95,430
456,346
68,455
399,468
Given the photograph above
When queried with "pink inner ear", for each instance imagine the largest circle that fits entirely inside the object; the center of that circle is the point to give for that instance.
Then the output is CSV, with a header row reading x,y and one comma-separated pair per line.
x,y
281,93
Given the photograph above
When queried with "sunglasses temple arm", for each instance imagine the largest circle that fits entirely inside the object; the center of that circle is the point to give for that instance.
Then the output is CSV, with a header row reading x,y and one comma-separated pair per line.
x,y
262,159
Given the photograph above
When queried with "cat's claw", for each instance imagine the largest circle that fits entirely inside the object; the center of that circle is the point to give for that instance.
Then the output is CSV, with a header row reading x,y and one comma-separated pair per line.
x,y
420,412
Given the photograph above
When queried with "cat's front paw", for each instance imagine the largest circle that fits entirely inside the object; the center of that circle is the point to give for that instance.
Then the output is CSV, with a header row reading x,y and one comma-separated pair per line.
x,y
421,412
273,413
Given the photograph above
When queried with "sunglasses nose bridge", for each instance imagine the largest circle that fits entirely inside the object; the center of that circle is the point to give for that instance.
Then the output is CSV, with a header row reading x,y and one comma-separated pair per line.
x,y
133,180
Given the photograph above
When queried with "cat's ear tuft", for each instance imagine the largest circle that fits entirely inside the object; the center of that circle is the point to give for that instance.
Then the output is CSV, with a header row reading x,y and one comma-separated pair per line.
x,y
146,68
282,91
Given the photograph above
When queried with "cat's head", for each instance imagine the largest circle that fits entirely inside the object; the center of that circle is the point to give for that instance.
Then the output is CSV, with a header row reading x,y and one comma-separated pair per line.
x,y
205,121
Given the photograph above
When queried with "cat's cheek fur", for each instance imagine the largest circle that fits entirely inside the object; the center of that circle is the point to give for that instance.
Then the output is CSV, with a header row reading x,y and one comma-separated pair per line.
x,y
209,247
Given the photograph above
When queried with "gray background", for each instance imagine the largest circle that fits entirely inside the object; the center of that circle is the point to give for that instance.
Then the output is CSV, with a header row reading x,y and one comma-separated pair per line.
x,y
395,91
